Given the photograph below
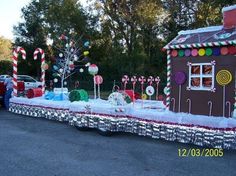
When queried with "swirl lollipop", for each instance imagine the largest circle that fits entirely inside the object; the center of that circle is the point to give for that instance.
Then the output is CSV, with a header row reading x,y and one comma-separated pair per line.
x,y
223,78
142,80
157,81
134,81
125,80
150,80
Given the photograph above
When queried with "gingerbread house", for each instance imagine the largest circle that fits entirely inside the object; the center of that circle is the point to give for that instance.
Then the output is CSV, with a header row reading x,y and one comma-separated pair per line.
x,y
201,69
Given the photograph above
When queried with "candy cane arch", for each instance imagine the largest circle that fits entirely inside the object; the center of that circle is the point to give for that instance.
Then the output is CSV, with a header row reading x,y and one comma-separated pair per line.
x,y
15,63
168,80
125,80
39,50
157,81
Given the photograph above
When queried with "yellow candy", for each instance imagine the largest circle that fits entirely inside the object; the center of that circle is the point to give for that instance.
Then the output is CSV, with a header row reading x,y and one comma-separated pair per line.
x,y
223,77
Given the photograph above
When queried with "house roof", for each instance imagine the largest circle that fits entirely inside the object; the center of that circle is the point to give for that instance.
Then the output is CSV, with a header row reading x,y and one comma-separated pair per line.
x,y
203,37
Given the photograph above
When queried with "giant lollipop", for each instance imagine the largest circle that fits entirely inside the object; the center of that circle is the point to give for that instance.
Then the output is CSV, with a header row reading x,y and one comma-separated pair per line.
x,y
223,78
98,80
134,80
142,80
180,78
157,80
93,70
125,80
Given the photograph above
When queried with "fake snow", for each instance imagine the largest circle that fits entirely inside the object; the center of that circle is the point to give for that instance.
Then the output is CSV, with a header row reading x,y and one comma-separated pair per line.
x,y
229,8
147,109
201,30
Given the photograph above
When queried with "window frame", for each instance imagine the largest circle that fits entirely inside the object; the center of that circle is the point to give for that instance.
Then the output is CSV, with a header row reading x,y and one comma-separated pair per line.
x,y
201,76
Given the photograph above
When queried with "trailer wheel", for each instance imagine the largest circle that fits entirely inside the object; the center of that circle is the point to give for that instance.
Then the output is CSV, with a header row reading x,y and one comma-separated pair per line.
x,y
104,132
82,128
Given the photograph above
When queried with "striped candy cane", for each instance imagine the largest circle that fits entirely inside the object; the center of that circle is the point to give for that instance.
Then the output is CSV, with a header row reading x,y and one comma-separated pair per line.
x,y
125,80
15,63
150,80
168,80
39,50
157,81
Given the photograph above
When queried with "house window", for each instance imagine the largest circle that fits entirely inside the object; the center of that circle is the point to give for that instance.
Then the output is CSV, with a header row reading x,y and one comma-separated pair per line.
x,y
201,76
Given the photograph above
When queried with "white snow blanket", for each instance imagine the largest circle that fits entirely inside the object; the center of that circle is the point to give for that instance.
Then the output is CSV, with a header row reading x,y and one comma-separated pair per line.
x,y
149,110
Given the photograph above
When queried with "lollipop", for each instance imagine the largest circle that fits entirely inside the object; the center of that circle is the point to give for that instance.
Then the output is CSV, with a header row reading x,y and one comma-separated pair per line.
x,y
125,80
157,81
93,70
223,78
180,78
142,80
98,80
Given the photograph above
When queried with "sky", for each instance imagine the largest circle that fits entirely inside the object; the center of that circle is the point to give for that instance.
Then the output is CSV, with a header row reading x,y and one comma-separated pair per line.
x,y
10,15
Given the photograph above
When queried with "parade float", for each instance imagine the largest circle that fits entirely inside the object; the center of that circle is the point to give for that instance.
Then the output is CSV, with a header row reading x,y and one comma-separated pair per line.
x,y
200,93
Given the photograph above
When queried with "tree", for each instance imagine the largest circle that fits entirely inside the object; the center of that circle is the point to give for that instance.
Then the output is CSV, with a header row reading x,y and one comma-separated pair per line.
x,y
44,19
5,49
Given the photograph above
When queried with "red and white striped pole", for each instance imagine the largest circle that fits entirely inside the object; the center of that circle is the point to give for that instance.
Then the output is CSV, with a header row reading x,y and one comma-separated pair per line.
x,y
39,50
15,63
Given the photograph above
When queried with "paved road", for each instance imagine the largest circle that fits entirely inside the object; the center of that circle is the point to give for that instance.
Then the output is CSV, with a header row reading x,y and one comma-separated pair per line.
x,y
31,146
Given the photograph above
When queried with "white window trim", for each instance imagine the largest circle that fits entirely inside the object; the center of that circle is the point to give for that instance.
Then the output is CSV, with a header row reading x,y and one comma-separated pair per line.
x,y
201,76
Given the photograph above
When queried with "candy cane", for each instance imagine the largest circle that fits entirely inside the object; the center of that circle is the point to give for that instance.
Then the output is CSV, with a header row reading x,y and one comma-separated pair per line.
x,y
15,62
150,80
39,50
125,80
157,81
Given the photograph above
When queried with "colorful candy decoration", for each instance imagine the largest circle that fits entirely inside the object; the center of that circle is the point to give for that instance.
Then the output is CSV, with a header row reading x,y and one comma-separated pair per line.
x,y
134,81
150,91
223,78
180,78
119,99
78,95
157,81
15,62
93,70
150,80
125,80
174,53
187,52
142,80
98,80
204,51
234,112
194,52
208,51
44,66
201,52
224,51
200,45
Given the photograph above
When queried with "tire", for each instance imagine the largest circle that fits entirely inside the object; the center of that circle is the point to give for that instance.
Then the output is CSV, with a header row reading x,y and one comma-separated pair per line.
x,y
82,128
104,132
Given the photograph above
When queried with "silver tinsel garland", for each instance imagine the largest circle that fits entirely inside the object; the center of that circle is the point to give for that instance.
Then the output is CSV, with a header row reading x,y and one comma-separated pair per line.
x,y
207,137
